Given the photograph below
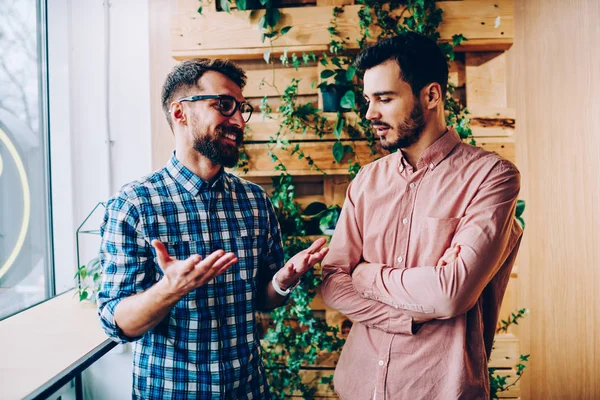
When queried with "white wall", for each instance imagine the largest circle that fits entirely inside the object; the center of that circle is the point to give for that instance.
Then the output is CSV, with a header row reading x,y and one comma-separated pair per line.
x,y
80,166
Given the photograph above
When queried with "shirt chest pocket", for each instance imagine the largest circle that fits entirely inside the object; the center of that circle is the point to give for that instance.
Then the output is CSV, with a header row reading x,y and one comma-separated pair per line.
x,y
437,235
248,246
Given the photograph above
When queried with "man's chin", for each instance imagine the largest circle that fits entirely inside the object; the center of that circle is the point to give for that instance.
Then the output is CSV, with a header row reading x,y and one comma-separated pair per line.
x,y
387,145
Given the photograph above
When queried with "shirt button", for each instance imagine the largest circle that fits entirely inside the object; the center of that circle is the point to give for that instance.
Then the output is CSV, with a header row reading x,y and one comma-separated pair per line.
x,y
431,166
381,363
412,185
400,259
405,221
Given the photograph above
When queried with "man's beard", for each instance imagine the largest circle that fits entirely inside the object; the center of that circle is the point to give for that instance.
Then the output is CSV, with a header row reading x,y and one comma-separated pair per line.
x,y
409,131
213,148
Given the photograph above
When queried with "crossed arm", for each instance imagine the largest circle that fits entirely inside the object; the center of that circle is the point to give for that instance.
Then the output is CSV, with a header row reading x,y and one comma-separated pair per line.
x,y
396,300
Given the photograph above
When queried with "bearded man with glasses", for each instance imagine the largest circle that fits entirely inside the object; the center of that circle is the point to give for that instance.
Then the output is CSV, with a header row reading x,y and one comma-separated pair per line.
x,y
190,252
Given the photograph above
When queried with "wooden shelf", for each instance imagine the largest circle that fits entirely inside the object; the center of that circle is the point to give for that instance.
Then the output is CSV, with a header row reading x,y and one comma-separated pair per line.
x,y
488,26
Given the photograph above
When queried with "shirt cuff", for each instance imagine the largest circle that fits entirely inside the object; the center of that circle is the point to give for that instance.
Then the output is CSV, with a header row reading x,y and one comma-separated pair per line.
x,y
107,320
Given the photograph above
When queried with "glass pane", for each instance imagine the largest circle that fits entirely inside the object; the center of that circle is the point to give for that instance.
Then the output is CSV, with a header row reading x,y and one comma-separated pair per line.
x,y
24,222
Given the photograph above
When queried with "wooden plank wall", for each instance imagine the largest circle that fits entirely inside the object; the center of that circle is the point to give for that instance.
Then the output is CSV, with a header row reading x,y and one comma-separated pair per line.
x,y
558,103
479,73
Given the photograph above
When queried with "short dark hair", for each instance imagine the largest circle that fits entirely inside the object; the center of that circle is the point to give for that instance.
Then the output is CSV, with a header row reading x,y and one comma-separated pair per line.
x,y
185,75
420,60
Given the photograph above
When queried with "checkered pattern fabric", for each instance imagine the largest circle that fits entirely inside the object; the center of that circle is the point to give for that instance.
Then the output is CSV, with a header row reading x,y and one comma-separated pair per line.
x,y
207,347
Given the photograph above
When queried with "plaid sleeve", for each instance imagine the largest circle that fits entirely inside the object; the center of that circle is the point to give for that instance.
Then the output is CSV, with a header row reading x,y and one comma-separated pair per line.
x,y
126,260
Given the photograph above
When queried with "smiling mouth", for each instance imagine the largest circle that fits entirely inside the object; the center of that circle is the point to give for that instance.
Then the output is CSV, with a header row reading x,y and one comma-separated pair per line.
x,y
232,137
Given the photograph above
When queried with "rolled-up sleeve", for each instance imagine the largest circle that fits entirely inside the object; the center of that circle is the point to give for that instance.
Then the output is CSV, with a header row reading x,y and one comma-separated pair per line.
x,y
127,262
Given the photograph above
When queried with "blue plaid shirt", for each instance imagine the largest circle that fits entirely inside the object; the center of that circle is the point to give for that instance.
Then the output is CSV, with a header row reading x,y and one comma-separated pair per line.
x,y
207,347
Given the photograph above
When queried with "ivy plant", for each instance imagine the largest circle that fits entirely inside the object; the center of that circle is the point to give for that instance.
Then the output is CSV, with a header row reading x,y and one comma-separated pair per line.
x,y
297,336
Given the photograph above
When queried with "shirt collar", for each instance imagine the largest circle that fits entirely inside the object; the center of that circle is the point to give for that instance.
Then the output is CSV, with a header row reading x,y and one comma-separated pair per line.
x,y
192,182
435,153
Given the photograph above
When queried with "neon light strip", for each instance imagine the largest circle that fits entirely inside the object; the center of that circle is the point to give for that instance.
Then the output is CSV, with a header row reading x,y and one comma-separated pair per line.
x,y
26,202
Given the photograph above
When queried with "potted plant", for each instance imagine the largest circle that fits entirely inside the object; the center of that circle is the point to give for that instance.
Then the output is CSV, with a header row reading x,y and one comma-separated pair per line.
x,y
339,95
89,277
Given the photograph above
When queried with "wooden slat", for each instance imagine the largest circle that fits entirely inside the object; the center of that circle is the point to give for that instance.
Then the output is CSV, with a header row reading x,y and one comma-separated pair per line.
x,y
321,152
203,35
280,78
334,189
457,72
486,121
486,79
260,130
337,3
503,146
505,353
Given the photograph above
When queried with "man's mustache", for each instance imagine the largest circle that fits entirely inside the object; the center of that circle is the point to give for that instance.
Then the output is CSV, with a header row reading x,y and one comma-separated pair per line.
x,y
380,124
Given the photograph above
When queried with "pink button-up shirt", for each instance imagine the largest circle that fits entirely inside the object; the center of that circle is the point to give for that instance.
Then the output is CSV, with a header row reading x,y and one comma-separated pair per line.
x,y
421,331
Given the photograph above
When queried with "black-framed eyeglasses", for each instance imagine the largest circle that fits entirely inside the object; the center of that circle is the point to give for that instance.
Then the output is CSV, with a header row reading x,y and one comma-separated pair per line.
x,y
228,105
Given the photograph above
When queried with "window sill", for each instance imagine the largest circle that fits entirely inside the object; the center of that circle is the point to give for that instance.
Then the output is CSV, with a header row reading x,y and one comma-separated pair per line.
x,y
47,345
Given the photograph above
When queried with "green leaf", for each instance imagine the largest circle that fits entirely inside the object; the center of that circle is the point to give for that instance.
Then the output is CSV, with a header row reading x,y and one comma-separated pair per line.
x,y
241,5
225,5
349,100
327,73
262,23
458,39
200,10
285,29
83,295
267,56
339,126
305,58
273,16
520,207
338,151
350,73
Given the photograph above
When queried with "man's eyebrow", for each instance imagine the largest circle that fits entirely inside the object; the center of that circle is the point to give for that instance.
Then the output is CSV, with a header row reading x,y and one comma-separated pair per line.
x,y
384,93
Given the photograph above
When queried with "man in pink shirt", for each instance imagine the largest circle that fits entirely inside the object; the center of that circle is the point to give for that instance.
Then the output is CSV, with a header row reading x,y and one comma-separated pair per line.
x,y
425,309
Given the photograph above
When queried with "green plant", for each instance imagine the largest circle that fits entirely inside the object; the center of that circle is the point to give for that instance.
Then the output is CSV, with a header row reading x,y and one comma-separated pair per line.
x,y
288,345
519,212
499,383
88,280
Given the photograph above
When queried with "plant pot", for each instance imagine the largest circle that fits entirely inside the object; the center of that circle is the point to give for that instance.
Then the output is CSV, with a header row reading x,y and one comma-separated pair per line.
x,y
332,95
312,215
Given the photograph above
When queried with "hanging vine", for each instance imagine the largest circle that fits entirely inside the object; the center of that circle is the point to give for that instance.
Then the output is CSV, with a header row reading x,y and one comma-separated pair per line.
x,y
297,338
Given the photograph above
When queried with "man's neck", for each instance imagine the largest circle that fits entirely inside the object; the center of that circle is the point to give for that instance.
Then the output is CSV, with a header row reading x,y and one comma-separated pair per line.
x,y
429,136
198,164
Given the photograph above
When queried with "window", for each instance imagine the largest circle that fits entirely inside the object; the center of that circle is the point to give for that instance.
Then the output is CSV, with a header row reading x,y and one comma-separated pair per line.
x,y
26,276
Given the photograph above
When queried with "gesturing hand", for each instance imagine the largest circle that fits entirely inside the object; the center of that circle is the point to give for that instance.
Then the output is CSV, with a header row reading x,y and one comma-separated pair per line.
x,y
183,276
299,264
